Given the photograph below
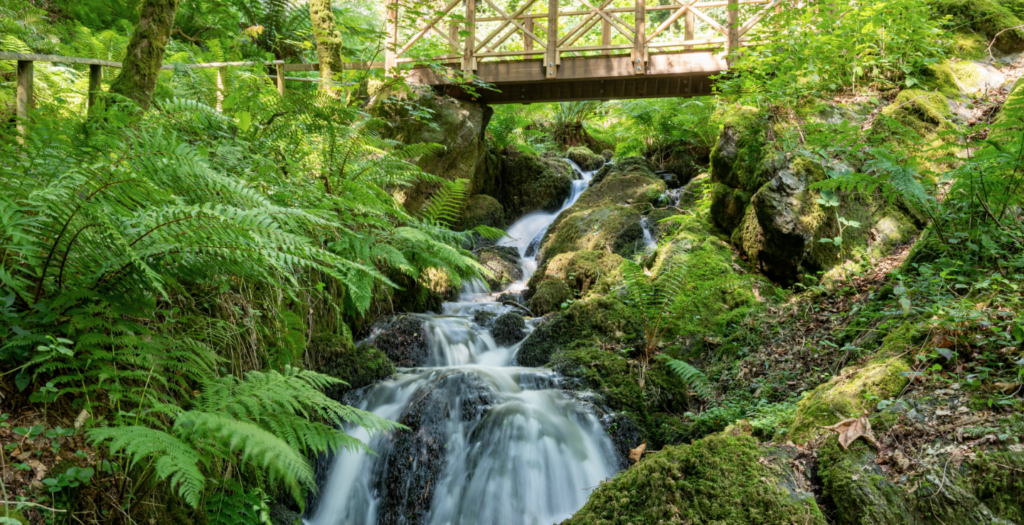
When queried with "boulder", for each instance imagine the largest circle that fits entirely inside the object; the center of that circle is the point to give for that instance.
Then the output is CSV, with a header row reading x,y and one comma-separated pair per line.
x,y
723,478
503,264
583,271
403,338
678,161
989,18
482,210
608,155
458,125
587,160
528,182
549,296
358,366
736,170
508,329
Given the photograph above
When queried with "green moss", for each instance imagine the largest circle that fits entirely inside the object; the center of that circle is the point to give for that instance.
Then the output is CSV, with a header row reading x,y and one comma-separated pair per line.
x,y
611,228
482,210
728,205
658,228
529,182
924,112
980,492
340,358
597,318
969,45
943,78
986,17
549,296
586,159
586,271
847,394
736,158
717,480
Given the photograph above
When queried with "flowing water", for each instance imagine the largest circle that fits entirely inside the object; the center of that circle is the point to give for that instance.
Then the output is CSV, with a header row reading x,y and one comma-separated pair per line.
x,y
491,443
649,243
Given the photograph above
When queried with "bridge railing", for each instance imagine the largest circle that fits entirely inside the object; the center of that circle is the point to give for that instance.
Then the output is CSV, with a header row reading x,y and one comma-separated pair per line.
x,y
465,32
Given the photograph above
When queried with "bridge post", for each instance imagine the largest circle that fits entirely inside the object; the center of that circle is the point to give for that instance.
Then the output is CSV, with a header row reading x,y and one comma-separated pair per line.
x,y
391,42
552,58
606,35
527,41
24,94
734,30
688,34
640,39
95,78
468,60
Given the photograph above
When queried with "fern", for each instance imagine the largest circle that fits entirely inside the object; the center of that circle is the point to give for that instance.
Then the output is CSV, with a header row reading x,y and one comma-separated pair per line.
x,y
695,379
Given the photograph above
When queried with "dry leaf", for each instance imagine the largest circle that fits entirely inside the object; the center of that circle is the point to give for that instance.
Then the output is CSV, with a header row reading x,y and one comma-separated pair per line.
x,y
851,429
638,452
38,467
83,416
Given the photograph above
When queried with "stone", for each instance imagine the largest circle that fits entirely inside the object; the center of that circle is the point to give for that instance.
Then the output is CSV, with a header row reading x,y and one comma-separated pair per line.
x,y
587,160
403,338
503,264
508,329
482,210
528,182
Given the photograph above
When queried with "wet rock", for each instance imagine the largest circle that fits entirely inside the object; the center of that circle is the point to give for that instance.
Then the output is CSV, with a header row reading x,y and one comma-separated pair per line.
x,y
608,155
625,435
503,263
508,329
403,338
508,297
484,318
417,457
587,160
548,297
338,357
281,515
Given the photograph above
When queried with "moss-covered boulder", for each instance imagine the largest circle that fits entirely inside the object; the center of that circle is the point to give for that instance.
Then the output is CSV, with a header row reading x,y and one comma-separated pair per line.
x,y
337,356
584,158
988,18
847,395
549,296
458,125
529,182
603,317
780,231
508,329
989,490
737,169
721,479
926,113
585,271
482,210
606,217
503,264
678,161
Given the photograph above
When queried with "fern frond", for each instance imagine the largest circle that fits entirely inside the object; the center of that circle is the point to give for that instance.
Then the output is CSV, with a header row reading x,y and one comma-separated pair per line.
x,y
694,379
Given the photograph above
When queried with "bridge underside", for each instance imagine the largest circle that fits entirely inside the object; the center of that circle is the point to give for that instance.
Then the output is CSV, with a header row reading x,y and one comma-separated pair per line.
x,y
605,77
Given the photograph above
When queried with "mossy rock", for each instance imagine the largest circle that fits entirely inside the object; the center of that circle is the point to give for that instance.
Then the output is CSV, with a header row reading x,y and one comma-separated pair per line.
x,y
604,317
587,160
529,182
926,113
719,479
549,296
847,395
508,329
586,272
403,338
981,492
503,264
358,366
737,156
728,206
988,18
659,229
482,210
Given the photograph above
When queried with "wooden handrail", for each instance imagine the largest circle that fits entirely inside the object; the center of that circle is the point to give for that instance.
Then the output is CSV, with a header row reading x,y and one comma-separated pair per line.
x,y
491,32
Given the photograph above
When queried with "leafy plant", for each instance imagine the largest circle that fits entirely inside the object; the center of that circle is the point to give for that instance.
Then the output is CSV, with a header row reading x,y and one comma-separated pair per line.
x,y
695,379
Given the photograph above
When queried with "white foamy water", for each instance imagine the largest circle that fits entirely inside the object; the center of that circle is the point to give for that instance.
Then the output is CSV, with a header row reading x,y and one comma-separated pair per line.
x,y
516,449
649,243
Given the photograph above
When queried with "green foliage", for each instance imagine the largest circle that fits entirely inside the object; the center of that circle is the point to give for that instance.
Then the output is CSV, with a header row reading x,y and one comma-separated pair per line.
x,y
268,421
695,379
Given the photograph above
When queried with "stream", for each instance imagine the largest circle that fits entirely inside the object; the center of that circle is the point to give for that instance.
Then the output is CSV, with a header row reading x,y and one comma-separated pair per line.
x,y
490,442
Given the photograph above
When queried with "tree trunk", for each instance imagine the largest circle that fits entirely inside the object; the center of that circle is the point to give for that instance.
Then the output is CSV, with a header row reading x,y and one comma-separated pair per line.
x,y
145,53
328,45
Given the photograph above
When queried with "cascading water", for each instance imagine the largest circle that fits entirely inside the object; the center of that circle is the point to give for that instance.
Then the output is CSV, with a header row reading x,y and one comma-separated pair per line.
x,y
649,243
489,443
528,232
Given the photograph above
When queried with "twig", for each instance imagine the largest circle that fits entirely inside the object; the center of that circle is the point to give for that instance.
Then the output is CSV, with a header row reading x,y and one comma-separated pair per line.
x,y
989,48
30,504
517,305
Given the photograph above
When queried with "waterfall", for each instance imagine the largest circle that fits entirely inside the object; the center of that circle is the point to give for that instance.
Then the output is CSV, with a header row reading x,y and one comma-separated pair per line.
x,y
490,443
649,243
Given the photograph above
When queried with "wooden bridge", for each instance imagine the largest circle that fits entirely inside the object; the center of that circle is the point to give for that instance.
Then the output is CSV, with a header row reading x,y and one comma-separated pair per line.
x,y
537,51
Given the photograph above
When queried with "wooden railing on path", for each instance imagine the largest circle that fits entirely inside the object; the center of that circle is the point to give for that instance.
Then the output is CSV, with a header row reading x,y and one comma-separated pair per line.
x,y
479,30
25,97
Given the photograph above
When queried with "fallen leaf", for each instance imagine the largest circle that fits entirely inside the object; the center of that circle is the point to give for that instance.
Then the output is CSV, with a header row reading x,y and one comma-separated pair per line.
x,y
851,429
638,452
83,416
39,468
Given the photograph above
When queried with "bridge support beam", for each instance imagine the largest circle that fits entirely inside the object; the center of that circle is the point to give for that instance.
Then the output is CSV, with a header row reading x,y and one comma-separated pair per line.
x,y
552,57
734,31
468,60
639,54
